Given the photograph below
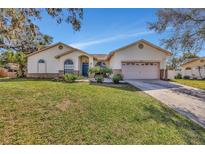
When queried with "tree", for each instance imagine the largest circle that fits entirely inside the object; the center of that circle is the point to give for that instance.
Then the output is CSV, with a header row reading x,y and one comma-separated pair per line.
x,y
20,33
174,62
12,57
188,55
20,59
187,29
199,69
7,57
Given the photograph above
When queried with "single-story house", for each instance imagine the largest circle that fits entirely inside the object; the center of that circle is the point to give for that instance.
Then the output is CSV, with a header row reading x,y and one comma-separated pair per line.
x,y
139,60
194,68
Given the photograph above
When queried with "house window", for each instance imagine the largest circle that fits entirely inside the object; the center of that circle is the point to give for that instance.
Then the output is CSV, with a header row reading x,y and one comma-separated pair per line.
x,y
60,47
140,46
68,66
101,64
41,61
188,68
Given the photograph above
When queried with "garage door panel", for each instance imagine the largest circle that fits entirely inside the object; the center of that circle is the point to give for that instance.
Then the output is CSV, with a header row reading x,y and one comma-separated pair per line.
x,y
131,70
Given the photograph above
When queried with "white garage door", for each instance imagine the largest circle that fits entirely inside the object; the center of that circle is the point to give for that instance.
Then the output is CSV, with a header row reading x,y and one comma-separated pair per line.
x,y
136,70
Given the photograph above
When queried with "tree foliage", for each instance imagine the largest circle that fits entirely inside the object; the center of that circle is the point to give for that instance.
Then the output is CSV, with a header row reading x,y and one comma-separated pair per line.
x,y
187,29
11,57
20,59
105,71
175,62
19,32
7,57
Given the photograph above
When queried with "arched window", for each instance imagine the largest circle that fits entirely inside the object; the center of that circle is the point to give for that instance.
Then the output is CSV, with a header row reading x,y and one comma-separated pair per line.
x,y
41,66
41,61
68,66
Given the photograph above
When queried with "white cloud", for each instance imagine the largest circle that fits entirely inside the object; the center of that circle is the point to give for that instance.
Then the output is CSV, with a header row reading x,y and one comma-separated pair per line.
x,y
109,39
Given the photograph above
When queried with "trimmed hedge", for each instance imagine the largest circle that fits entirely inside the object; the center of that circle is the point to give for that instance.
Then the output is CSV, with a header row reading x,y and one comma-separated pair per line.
x,y
116,78
70,78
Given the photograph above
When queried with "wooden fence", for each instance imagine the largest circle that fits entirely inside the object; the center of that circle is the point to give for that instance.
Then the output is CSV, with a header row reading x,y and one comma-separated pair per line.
x,y
5,73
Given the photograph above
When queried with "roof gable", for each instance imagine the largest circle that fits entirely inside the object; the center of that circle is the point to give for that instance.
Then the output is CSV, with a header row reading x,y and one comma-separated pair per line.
x,y
100,56
168,53
192,60
54,45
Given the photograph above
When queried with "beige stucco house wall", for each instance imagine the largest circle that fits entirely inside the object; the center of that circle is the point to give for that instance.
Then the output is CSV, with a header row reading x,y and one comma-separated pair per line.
x,y
49,56
53,59
133,53
191,68
148,54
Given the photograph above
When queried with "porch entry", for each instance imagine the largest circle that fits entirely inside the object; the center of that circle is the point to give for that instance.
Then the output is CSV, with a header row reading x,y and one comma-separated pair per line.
x,y
85,67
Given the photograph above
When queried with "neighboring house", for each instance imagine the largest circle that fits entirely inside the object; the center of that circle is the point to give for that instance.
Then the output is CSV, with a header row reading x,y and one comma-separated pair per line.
x,y
139,60
194,68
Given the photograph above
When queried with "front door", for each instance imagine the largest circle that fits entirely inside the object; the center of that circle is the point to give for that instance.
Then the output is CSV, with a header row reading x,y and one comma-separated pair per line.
x,y
85,69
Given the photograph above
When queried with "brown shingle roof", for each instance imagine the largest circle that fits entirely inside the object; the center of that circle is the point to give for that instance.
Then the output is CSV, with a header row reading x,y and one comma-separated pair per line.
x,y
103,56
100,56
48,47
191,60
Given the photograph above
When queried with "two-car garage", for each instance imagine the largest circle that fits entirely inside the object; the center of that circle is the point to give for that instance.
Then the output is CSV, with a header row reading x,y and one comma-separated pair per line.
x,y
140,70
139,60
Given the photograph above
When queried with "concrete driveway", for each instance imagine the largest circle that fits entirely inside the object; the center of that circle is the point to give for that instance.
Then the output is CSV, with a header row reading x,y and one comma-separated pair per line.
x,y
184,99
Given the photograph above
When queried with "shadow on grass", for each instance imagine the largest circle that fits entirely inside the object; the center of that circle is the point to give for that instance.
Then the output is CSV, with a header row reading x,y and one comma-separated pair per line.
x,y
172,118
22,79
123,86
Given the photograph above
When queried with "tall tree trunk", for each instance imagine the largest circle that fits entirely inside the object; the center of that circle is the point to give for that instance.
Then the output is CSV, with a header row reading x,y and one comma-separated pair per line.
x,y
21,72
199,69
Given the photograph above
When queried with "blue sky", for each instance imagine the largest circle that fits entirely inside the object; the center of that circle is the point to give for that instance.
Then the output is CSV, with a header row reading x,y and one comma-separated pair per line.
x,y
104,30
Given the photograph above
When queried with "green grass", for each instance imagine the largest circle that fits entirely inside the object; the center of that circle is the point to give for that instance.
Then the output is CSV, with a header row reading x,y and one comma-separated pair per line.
x,y
46,112
193,83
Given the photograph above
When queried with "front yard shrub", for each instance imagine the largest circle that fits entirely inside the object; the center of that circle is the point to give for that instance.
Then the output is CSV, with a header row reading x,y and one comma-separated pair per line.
x,y
120,76
99,79
186,77
97,70
178,76
70,77
116,78
105,71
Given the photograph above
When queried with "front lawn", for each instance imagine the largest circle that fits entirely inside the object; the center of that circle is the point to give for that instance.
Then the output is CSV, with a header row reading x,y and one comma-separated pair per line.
x,y
47,112
193,83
